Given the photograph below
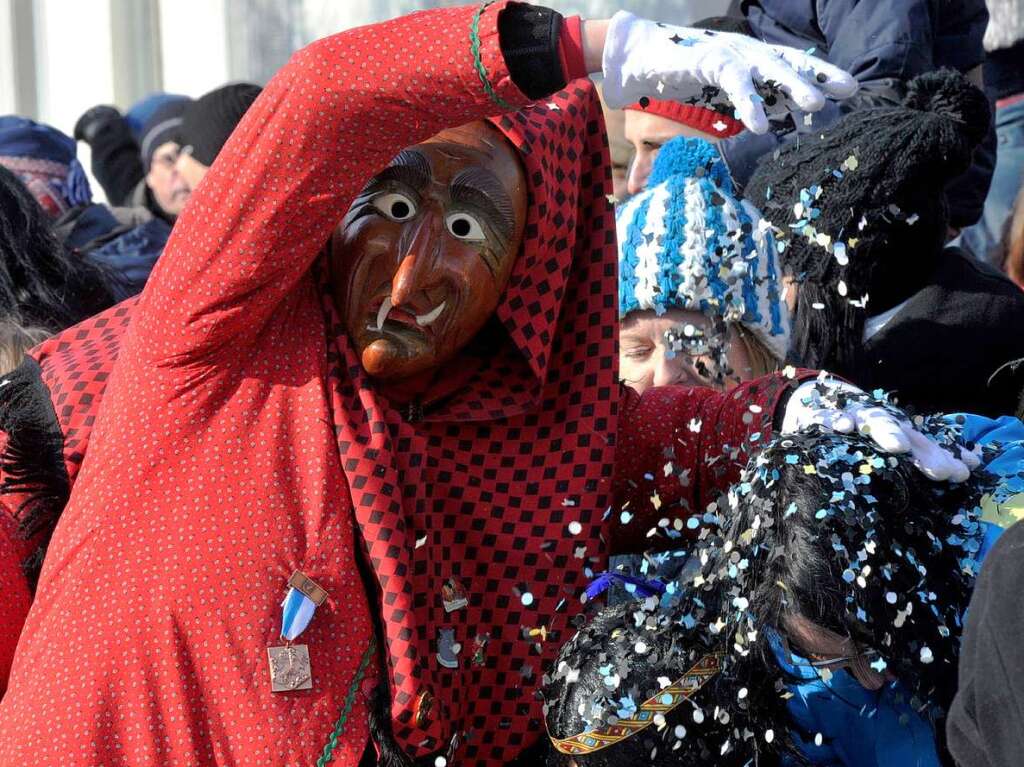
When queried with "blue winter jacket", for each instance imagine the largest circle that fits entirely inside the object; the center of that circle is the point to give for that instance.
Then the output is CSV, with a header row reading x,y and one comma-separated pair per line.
x,y
882,43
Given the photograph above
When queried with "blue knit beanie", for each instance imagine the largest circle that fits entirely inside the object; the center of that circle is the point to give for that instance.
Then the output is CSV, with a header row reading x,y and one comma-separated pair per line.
x,y
687,242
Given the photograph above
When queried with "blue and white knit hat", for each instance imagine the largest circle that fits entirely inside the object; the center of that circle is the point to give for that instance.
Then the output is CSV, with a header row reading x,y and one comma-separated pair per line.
x,y
687,242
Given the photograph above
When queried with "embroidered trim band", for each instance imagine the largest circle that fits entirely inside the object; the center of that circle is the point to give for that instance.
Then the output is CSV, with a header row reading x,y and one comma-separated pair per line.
x,y
663,702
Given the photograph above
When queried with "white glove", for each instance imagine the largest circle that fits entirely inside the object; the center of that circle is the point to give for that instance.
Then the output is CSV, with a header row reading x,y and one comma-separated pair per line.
x,y
815,403
704,68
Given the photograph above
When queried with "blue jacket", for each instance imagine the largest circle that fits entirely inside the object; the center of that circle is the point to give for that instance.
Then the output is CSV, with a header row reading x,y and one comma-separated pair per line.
x,y
881,43
126,252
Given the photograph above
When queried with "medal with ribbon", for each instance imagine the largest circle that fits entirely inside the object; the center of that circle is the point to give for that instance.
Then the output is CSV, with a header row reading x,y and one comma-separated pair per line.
x,y
289,664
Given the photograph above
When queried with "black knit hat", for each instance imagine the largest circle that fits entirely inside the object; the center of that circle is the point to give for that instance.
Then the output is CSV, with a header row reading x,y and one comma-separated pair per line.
x,y
209,121
162,126
861,211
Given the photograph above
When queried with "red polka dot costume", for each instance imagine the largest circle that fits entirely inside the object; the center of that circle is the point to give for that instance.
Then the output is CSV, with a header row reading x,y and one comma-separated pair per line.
x,y
237,439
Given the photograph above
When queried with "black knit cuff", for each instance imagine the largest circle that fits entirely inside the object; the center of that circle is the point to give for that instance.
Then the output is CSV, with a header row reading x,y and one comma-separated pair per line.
x,y
529,42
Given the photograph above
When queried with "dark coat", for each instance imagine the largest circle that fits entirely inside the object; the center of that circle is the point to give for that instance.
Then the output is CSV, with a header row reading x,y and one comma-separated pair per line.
x,y
882,44
948,347
985,727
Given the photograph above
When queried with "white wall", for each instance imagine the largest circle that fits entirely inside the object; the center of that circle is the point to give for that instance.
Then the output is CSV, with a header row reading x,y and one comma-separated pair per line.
x,y
194,39
323,17
74,64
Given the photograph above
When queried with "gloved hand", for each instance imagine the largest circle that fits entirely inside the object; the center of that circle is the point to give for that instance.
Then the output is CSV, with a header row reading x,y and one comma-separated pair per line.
x,y
714,69
846,409
93,120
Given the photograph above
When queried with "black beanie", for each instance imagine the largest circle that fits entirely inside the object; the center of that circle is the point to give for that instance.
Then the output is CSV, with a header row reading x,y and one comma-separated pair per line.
x,y
860,210
208,122
163,125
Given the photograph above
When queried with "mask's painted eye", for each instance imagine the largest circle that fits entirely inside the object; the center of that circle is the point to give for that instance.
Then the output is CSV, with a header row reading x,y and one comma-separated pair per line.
x,y
395,206
464,227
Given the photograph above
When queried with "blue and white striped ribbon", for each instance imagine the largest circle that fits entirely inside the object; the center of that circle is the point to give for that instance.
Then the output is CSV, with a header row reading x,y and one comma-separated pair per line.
x,y
296,612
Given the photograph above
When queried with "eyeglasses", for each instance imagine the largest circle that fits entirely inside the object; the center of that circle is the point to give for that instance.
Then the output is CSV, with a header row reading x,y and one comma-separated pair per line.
x,y
844,660
817,661
167,160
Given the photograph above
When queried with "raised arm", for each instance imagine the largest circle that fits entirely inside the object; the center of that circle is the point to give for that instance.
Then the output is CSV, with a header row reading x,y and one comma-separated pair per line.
x,y
344,106
331,118
679,449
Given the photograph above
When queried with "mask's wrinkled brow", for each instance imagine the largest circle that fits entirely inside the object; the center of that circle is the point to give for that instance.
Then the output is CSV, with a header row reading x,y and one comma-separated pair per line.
x,y
409,167
481,189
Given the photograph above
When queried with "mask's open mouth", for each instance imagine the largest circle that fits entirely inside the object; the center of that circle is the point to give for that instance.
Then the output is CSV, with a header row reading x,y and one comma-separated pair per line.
x,y
390,317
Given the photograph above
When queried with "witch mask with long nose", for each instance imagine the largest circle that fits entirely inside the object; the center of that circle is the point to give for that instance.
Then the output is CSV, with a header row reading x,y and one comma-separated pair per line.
x,y
424,254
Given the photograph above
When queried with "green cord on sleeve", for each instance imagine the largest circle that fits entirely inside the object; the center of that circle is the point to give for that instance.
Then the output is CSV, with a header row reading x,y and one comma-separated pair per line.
x,y
350,699
478,64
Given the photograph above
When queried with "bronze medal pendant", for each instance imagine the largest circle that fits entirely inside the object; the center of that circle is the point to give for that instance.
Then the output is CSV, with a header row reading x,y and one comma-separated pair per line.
x,y
289,668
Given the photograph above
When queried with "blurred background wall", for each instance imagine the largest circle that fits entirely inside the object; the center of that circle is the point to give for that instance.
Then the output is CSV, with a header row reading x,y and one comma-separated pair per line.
x,y
59,57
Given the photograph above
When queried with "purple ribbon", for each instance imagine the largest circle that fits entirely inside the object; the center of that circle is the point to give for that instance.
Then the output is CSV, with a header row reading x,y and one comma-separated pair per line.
x,y
645,587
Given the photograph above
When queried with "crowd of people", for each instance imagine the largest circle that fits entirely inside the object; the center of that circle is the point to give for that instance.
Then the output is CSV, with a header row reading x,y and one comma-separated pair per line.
x,y
496,387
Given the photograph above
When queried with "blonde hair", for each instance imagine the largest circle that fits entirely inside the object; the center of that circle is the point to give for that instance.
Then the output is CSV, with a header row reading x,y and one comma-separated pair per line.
x,y
1013,242
15,341
762,360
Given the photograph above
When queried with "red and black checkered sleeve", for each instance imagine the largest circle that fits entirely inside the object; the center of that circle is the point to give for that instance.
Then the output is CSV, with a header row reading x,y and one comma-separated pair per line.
x,y
679,449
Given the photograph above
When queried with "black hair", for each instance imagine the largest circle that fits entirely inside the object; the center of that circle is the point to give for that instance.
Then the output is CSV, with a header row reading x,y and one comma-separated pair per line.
x,y
42,283
860,543
626,655
859,212
821,525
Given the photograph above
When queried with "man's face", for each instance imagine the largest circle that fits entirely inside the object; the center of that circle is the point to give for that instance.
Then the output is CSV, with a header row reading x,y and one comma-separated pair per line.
x,y
170,189
647,132
190,169
421,259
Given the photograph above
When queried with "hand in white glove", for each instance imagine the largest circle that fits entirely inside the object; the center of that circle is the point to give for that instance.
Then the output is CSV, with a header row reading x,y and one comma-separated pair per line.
x,y
846,409
714,69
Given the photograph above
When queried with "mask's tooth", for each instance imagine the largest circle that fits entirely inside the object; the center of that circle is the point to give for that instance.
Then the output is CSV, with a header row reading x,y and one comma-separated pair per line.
x,y
382,313
425,319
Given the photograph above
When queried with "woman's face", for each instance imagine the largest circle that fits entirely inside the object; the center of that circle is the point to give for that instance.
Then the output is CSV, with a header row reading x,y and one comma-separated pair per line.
x,y
648,133
829,650
646,356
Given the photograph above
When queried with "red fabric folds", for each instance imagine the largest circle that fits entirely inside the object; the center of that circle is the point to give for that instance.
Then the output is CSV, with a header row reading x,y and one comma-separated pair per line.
x,y
238,439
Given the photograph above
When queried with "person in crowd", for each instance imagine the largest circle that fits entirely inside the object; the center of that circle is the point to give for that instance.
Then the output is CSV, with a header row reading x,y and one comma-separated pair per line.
x,y
651,123
15,341
619,149
822,626
878,297
160,148
699,294
42,283
133,155
699,286
884,45
206,125
125,242
370,326
1004,84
